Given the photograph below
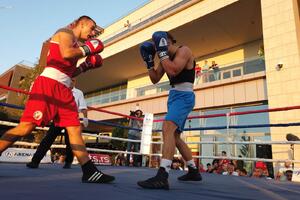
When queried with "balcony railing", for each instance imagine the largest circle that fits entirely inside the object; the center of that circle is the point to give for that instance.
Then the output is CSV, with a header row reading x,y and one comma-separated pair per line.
x,y
144,20
225,72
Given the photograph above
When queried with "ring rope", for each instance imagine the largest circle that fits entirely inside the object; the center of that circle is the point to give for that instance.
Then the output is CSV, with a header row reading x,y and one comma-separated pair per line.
x,y
190,117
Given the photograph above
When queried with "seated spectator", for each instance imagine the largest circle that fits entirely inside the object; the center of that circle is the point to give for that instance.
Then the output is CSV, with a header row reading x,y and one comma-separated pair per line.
x,y
257,173
176,164
263,167
287,166
224,169
288,174
224,161
230,170
242,172
215,167
201,168
208,168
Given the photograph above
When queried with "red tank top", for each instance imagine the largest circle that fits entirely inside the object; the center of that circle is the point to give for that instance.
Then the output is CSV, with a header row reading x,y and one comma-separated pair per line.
x,y
55,60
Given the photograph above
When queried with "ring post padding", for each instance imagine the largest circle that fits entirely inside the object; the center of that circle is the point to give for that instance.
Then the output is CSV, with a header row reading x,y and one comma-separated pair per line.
x,y
146,134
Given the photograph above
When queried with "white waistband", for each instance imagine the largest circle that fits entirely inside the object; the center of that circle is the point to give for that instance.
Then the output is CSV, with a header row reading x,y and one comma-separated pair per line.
x,y
185,86
57,75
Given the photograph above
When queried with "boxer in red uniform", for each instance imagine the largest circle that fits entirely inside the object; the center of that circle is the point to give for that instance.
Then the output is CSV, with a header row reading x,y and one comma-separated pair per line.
x,y
51,97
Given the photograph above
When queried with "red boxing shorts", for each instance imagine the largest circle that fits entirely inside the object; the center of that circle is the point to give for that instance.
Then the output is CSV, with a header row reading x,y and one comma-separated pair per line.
x,y
51,100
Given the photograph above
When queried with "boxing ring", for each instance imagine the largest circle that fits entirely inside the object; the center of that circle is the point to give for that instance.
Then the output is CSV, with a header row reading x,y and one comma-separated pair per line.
x,y
50,181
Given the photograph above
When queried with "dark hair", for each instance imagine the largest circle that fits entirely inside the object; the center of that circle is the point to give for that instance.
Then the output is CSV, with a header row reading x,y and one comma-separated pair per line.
x,y
85,17
138,110
244,171
171,37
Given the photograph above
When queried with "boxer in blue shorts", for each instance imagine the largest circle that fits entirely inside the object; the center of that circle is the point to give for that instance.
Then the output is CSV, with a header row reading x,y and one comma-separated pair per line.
x,y
179,65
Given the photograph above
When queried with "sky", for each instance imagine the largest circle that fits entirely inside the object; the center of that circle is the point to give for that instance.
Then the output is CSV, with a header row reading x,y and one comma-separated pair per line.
x,y
26,24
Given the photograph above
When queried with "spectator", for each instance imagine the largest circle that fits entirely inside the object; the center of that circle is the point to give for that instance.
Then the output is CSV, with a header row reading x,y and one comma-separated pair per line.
x,y
201,168
120,160
208,168
127,24
288,174
134,135
215,166
205,72
257,173
197,74
223,161
216,70
176,164
242,172
230,170
281,172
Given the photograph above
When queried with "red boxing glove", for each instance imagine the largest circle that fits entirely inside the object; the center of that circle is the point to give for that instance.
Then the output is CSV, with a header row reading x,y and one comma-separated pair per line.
x,y
91,62
92,46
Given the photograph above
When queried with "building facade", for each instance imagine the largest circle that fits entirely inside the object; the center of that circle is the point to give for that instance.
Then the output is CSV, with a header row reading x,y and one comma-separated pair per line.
x,y
255,44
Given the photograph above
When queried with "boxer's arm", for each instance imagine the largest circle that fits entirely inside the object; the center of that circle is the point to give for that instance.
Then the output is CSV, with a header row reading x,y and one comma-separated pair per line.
x,y
156,74
66,45
77,72
172,68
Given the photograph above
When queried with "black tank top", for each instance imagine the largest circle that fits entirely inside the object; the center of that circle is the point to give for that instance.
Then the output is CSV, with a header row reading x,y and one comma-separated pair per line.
x,y
186,75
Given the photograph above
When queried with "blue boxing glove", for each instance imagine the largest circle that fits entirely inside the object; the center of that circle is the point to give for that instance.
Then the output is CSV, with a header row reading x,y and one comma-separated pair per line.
x,y
148,53
160,39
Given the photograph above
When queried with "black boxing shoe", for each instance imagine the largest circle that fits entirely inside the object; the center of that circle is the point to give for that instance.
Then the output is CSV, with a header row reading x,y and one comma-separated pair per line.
x,y
192,175
32,165
97,177
160,181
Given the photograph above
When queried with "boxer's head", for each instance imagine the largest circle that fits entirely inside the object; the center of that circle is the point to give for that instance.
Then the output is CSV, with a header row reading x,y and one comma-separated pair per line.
x,y
87,27
171,38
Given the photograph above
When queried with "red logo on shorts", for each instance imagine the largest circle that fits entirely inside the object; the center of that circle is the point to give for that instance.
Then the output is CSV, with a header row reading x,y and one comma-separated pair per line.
x,y
37,115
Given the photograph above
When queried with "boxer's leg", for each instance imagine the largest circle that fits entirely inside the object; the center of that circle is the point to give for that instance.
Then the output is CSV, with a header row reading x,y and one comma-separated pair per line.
x,y
90,173
12,135
193,173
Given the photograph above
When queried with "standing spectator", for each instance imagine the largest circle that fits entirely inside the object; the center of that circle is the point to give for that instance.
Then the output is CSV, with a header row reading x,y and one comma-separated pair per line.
x,y
216,70
197,74
134,135
205,72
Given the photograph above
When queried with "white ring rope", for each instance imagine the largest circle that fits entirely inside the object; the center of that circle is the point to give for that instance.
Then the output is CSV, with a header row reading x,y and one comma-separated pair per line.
x,y
239,142
138,141
109,137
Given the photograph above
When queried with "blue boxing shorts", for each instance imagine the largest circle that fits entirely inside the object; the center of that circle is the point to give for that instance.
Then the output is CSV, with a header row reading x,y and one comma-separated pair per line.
x,y
180,104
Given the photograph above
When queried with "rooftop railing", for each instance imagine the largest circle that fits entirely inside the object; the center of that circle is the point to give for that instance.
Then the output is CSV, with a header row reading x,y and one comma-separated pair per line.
x,y
165,9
